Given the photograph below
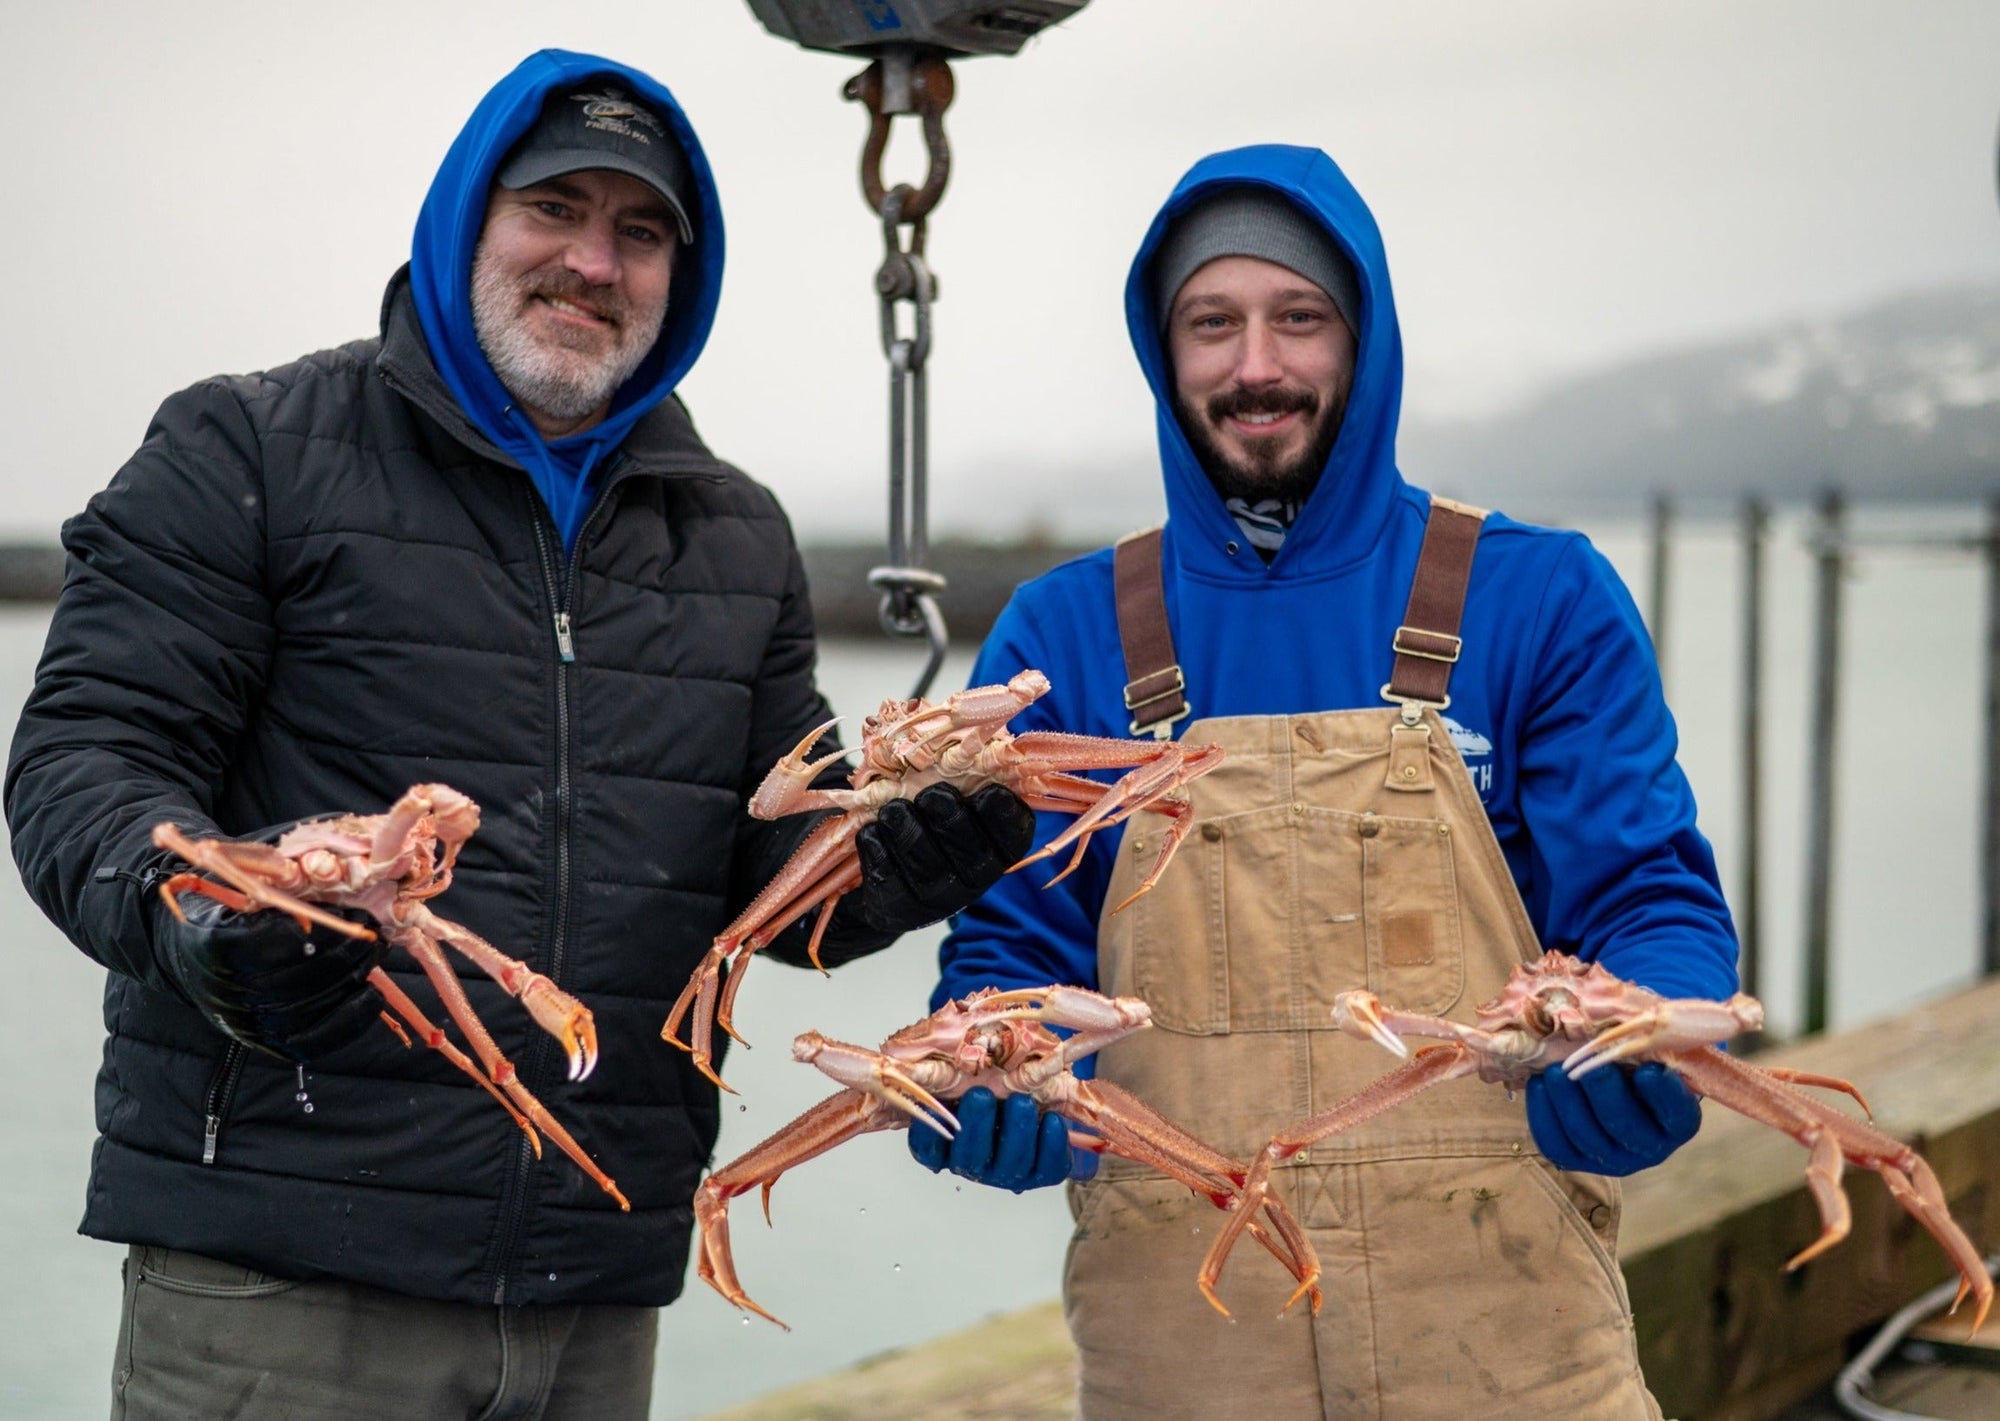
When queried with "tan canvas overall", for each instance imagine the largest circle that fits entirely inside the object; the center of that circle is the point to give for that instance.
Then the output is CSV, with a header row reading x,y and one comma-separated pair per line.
x,y
1465,1276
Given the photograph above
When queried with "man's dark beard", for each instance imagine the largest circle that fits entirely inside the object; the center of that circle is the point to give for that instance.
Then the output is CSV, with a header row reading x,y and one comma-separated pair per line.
x,y
1264,476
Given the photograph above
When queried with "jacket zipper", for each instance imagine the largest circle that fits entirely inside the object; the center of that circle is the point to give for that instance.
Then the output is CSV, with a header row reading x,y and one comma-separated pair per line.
x,y
222,1088
220,1092
558,594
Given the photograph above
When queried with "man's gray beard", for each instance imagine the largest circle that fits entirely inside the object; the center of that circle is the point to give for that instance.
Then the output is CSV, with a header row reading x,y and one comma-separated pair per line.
x,y
561,384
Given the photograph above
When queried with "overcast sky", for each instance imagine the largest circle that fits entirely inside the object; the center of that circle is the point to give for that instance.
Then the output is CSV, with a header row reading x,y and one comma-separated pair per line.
x,y
219,185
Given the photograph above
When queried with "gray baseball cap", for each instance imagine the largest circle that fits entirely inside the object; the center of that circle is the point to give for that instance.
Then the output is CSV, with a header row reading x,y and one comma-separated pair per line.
x,y
601,126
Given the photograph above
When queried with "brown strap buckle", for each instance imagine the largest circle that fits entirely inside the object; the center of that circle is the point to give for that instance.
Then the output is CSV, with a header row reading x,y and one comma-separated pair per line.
x,y
1414,706
1431,646
1158,689
1160,729
1156,698
1149,688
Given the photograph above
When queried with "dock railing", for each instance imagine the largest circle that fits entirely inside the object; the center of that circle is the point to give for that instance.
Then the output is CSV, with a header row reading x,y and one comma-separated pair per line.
x,y
1837,542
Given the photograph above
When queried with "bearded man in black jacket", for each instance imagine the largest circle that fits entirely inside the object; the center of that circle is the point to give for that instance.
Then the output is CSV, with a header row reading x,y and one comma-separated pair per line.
x,y
486,548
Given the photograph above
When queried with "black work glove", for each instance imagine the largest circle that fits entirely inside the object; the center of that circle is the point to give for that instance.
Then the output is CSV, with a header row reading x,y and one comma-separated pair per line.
x,y
925,858
270,986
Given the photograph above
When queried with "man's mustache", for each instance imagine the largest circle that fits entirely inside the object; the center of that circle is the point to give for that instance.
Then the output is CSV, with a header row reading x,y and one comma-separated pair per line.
x,y
1280,399
565,285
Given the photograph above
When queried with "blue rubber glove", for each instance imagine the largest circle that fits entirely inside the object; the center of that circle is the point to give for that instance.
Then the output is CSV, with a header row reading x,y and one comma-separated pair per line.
x,y
1010,1144
1616,1120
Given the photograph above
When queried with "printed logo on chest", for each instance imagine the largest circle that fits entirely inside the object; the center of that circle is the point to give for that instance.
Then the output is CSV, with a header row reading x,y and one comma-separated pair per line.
x,y
1477,752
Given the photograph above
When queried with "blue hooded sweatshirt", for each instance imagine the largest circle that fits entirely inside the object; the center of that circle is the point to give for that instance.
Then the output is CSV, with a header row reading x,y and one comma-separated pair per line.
x,y
1556,700
448,227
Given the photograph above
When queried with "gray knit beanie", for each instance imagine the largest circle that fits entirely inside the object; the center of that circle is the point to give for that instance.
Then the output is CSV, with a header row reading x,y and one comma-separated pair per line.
x,y
1254,222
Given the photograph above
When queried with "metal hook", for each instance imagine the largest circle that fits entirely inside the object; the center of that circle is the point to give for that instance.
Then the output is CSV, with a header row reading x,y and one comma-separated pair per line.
x,y
905,81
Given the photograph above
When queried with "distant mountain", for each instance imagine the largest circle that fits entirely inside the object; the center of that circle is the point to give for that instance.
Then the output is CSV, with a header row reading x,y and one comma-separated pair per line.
x,y
1898,402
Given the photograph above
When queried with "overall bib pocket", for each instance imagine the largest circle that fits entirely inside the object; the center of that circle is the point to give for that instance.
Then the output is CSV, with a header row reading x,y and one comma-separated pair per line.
x,y
1264,916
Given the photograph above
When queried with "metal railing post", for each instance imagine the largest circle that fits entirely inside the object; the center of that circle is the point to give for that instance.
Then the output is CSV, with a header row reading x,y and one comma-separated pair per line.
x,y
1755,524
1829,557
1989,824
1662,521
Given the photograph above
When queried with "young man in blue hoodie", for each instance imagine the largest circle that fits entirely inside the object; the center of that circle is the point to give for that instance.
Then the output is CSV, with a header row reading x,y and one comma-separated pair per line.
x,y
486,548
1447,751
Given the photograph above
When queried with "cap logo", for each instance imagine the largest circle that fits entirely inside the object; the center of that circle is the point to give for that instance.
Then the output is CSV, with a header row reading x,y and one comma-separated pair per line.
x,y
614,113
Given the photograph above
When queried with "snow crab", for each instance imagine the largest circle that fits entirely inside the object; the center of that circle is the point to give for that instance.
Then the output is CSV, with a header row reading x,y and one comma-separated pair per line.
x,y
388,865
1561,1012
906,746
1000,1040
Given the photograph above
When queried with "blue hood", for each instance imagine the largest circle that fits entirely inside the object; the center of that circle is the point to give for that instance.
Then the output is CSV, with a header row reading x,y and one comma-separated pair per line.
x,y
1342,521
448,230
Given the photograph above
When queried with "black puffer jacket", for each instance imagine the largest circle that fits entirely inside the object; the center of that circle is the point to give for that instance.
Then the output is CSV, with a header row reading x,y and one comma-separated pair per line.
x,y
308,590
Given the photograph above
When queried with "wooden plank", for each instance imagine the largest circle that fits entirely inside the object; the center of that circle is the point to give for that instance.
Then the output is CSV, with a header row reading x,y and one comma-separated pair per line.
x,y
1950,1332
1725,1334
1016,1367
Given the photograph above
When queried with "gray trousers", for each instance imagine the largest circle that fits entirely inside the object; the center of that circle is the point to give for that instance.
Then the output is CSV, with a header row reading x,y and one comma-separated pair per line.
x,y
200,1340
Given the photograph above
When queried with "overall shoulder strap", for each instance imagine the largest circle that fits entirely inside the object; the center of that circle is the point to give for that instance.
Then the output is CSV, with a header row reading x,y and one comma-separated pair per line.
x,y
1427,644
1154,684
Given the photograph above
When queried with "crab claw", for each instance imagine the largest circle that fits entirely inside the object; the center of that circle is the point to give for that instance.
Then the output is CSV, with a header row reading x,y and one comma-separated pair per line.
x,y
872,1073
1670,1026
566,1019
777,796
1360,1014
1071,1007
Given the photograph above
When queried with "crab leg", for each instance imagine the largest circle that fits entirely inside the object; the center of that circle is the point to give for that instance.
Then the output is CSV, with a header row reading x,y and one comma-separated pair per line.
x,y
1671,1026
976,706
1094,1019
1073,794
1835,1139
1792,1077
834,1121
1161,769
553,1009
431,958
433,1036
255,871
821,883
1130,1128
1431,1066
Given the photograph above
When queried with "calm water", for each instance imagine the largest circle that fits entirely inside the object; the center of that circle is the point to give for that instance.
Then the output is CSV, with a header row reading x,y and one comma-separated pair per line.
x,y
869,1252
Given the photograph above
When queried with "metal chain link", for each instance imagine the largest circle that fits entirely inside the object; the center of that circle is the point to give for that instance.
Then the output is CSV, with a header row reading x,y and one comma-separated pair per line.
x,y
907,82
